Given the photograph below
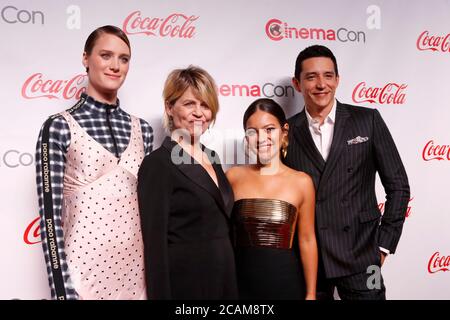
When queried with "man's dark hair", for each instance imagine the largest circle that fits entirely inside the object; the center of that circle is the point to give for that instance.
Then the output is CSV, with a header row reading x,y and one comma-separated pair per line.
x,y
313,52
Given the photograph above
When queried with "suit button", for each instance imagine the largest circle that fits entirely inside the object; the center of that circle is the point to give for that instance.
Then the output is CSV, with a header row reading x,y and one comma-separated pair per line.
x,y
347,228
349,170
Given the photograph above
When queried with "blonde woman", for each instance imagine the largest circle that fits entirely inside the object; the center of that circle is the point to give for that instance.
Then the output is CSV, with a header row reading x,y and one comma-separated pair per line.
x,y
185,199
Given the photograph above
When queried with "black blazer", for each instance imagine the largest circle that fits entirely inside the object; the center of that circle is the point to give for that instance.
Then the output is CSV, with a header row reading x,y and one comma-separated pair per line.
x,y
185,222
348,225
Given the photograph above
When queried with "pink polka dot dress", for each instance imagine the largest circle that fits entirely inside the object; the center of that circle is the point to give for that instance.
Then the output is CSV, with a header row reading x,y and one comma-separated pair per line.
x,y
101,224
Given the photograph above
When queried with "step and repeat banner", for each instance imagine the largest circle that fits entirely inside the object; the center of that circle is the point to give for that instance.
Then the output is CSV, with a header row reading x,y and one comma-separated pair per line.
x,y
392,55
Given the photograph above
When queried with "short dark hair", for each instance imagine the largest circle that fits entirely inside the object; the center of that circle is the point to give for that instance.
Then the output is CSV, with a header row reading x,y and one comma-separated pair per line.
x,y
313,52
266,105
93,37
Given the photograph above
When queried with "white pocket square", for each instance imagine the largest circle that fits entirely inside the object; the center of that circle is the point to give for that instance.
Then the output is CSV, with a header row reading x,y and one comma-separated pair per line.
x,y
357,140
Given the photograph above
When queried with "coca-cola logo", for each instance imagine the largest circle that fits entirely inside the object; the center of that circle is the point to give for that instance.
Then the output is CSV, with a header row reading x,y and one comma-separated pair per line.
x,y
425,42
32,234
36,86
438,263
176,25
381,207
391,93
433,151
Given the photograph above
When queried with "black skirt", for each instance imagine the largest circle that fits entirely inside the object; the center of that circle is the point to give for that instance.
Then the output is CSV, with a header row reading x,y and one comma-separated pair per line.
x,y
269,274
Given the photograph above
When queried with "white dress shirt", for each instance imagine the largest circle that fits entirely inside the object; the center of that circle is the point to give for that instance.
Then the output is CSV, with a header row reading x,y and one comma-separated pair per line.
x,y
322,135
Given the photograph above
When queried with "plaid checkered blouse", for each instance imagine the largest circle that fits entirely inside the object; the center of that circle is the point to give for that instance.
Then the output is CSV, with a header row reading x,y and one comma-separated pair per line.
x,y
111,127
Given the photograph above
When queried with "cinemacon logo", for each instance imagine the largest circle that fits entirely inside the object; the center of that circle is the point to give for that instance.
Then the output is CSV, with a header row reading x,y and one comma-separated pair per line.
x,y
277,30
38,86
425,42
433,151
390,93
176,25
438,263
15,158
13,15
268,90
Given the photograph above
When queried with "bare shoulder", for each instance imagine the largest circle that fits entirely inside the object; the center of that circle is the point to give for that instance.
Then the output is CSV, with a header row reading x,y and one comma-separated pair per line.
x,y
301,182
302,185
235,173
300,176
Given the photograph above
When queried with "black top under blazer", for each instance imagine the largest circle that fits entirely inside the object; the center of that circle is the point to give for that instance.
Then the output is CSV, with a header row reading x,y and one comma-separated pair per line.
x,y
186,226
348,226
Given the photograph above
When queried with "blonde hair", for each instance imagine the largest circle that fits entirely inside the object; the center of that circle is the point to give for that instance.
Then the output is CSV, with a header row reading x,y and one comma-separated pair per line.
x,y
201,83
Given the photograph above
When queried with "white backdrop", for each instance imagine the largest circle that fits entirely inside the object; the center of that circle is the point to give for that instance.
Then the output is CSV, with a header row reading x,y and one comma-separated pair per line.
x,y
400,47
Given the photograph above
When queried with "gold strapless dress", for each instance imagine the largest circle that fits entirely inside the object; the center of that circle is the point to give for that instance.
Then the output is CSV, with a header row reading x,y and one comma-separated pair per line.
x,y
267,260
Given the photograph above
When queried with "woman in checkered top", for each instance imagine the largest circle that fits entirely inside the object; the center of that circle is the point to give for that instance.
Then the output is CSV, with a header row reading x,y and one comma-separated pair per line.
x,y
87,159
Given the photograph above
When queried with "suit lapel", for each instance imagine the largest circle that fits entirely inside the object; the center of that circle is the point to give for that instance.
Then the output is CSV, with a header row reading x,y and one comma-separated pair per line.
x,y
226,192
304,138
338,144
196,173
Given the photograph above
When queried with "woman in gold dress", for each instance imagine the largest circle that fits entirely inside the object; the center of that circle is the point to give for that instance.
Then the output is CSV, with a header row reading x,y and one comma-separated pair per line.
x,y
273,214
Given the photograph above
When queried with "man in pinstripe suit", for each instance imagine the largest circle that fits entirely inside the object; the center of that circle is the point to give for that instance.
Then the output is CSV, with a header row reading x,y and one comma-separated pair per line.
x,y
342,147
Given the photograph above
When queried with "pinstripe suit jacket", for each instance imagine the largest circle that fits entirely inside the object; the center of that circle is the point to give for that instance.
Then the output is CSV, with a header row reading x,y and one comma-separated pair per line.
x,y
348,225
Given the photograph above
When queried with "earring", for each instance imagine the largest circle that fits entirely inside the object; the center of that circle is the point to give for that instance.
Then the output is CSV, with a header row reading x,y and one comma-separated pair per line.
x,y
284,145
284,152
170,123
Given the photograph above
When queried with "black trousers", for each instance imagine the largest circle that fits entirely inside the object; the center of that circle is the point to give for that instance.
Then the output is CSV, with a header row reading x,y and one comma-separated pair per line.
x,y
360,286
